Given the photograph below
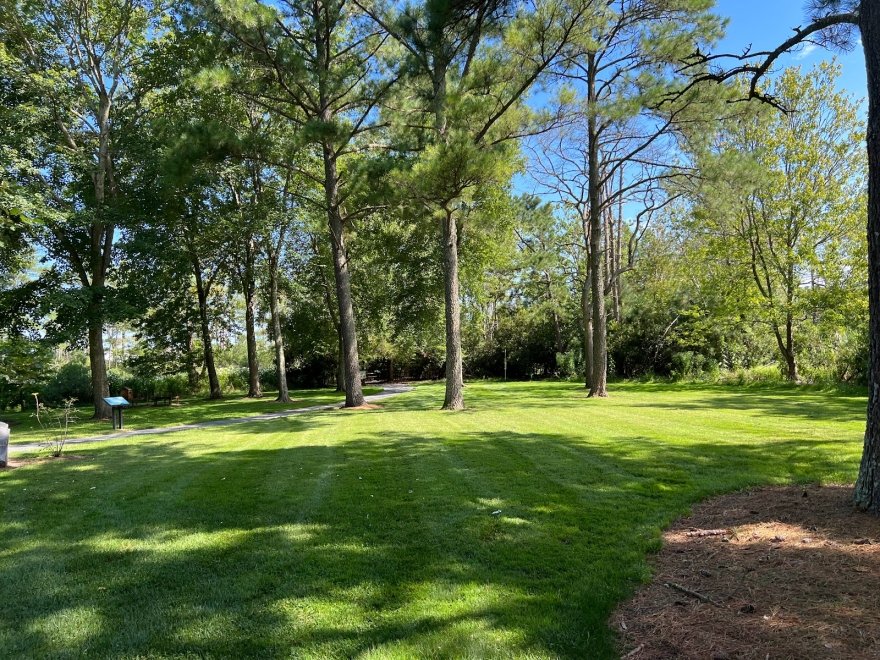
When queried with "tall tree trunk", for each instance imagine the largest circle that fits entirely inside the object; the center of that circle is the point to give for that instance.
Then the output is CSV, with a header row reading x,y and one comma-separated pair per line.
x,y
332,310
255,389
207,344
608,242
598,385
97,364
587,314
786,349
100,247
192,372
867,490
340,361
323,37
454,399
340,354
618,232
280,362
354,395
557,322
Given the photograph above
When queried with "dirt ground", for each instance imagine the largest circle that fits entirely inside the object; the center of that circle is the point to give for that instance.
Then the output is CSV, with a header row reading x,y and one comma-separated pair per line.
x,y
19,462
364,406
770,573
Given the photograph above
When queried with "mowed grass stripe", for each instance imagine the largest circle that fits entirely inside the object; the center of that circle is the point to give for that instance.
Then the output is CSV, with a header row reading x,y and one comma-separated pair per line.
x,y
372,534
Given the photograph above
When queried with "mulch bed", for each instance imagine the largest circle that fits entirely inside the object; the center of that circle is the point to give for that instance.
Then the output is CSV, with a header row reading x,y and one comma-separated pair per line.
x,y
19,462
770,573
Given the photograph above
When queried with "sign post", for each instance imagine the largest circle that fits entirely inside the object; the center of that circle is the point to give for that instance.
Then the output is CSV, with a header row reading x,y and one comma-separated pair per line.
x,y
117,405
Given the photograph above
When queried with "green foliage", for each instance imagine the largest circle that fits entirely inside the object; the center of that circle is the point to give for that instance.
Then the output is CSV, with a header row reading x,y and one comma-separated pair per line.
x,y
782,250
768,374
218,152
24,367
233,379
688,365
71,381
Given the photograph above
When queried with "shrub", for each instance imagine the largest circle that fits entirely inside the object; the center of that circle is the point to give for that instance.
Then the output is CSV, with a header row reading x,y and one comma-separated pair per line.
x,y
71,381
767,374
233,379
269,378
567,364
173,385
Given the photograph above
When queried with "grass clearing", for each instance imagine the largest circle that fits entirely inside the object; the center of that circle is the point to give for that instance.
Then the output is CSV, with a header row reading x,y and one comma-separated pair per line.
x,y
373,534
24,428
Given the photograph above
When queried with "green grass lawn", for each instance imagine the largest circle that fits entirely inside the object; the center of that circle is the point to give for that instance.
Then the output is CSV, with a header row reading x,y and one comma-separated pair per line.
x,y
24,427
374,533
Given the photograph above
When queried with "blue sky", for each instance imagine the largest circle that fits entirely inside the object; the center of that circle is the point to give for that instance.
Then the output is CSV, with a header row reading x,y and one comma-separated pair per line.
x,y
767,23
764,24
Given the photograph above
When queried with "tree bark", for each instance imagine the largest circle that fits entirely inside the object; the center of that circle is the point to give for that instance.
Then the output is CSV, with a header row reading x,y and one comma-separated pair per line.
x,y
323,39
207,344
192,372
280,362
340,354
454,399
340,361
786,349
100,247
598,385
354,395
97,364
616,242
587,313
255,389
867,489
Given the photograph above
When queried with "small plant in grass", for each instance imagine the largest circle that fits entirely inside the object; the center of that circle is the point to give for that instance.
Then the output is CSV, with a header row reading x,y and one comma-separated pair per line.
x,y
56,423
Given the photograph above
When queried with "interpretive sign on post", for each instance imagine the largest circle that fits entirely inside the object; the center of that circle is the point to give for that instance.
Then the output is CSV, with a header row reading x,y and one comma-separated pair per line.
x,y
117,405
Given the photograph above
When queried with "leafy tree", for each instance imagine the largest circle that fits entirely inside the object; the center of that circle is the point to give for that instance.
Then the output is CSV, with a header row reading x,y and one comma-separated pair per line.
x,y
780,231
75,65
833,23
318,67
619,148
469,68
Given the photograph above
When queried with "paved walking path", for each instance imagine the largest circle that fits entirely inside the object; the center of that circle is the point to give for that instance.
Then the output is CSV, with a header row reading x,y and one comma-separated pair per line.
x,y
387,392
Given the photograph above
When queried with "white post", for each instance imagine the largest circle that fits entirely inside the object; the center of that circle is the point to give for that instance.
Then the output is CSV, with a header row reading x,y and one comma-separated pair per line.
x,y
4,444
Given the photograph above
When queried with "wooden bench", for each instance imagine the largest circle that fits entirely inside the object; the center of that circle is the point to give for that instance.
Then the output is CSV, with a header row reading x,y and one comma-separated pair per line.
x,y
166,400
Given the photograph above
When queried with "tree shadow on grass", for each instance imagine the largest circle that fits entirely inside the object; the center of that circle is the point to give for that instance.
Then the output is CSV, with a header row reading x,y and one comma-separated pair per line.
x,y
799,402
774,404
396,544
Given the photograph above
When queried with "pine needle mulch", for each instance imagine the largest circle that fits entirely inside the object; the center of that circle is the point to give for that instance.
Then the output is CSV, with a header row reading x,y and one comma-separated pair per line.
x,y
771,573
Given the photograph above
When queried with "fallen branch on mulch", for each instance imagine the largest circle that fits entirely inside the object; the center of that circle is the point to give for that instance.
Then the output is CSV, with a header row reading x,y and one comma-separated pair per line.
x,y
691,593
699,533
